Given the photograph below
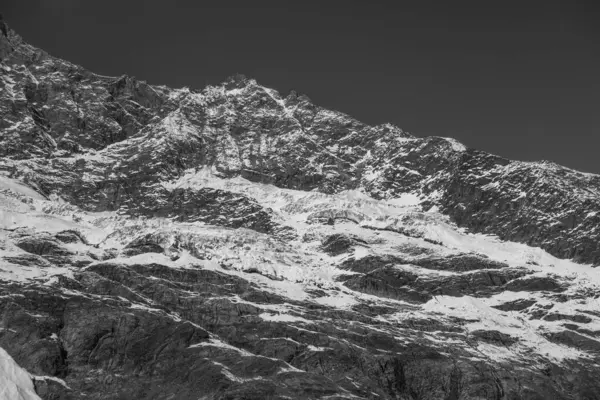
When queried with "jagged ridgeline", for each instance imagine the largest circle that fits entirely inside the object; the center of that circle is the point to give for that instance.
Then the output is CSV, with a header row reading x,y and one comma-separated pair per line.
x,y
234,243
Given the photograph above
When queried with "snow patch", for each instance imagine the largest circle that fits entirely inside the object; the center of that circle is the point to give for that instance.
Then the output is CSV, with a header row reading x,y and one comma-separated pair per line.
x,y
15,382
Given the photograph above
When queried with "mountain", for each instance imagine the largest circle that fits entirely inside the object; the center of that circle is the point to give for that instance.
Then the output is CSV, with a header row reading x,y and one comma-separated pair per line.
x,y
234,243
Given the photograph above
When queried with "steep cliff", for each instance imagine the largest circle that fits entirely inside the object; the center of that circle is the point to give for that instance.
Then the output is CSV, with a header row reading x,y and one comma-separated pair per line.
x,y
234,243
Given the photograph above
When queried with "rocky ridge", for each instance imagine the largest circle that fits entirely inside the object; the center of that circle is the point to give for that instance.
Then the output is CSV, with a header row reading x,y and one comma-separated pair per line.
x,y
233,243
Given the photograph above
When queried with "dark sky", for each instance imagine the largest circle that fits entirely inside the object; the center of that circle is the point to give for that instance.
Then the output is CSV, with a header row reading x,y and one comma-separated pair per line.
x,y
517,78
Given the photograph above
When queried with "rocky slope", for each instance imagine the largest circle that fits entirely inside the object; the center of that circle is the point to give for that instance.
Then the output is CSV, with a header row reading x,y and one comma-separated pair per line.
x,y
233,243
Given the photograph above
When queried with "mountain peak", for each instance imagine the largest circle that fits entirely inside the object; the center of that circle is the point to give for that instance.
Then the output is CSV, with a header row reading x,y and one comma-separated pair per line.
x,y
238,81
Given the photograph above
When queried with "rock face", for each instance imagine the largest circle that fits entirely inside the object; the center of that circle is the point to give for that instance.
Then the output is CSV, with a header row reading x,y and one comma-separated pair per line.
x,y
233,243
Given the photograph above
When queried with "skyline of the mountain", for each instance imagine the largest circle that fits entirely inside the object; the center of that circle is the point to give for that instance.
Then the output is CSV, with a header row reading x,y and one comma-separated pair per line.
x,y
518,82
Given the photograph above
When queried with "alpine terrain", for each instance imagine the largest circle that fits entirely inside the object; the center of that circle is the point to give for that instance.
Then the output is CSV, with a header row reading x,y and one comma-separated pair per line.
x,y
236,243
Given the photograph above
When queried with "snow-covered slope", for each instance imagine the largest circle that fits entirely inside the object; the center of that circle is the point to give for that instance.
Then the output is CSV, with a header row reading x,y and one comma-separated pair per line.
x,y
15,383
233,243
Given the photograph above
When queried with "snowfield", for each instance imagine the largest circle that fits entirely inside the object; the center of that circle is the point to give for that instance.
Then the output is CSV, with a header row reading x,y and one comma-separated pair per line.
x,y
294,269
